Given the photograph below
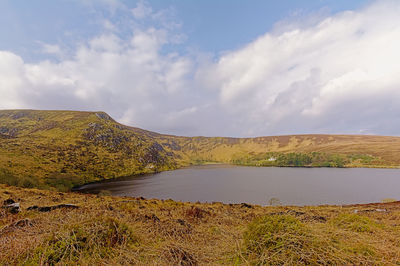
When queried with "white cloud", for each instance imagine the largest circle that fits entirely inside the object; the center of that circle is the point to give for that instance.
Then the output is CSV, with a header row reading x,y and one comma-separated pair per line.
x,y
131,78
52,49
337,74
108,25
11,79
295,80
142,10
111,5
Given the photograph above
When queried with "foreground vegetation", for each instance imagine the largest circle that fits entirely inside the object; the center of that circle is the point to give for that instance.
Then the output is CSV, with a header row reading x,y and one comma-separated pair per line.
x,y
61,149
116,230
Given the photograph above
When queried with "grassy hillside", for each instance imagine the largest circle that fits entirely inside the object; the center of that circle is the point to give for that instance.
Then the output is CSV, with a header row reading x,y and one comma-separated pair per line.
x,y
76,147
105,230
65,148
353,150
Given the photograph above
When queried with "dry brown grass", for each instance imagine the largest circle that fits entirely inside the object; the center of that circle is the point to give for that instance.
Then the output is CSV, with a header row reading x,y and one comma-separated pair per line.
x,y
119,231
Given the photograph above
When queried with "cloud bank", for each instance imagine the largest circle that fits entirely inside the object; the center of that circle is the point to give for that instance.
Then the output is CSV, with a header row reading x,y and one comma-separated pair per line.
x,y
339,74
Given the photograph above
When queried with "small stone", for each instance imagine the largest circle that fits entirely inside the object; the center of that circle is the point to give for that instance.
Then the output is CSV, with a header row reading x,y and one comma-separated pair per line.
x,y
152,217
35,207
8,201
181,222
295,213
245,205
13,207
44,209
319,218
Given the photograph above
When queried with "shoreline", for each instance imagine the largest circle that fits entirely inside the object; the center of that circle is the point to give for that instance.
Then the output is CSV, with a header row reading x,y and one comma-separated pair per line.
x,y
228,164
116,186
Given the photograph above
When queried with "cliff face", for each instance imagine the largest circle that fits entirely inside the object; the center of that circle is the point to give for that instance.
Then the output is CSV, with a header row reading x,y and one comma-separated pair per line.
x,y
64,148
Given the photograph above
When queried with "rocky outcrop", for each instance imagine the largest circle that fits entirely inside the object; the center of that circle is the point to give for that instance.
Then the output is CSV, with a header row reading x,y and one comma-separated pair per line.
x,y
106,137
50,208
104,116
8,132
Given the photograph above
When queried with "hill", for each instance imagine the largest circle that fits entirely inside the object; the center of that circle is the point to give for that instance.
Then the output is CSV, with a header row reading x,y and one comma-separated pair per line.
x,y
103,230
61,149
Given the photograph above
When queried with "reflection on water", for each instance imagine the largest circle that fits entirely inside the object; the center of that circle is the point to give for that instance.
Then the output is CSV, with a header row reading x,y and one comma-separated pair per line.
x,y
260,185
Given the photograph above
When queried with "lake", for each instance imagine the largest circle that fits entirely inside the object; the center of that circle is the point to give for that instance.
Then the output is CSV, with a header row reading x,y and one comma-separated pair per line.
x,y
260,185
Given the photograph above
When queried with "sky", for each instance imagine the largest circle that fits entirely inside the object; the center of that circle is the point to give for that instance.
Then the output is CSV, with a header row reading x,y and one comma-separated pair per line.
x,y
211,67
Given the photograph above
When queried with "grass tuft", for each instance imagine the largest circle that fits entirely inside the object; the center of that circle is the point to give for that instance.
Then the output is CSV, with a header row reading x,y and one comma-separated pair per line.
x,y
356,223
275,239
89,241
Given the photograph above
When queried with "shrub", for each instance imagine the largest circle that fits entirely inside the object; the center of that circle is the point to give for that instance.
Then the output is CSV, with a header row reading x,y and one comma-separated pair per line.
x,y
293,159
6,177
388,200
276,238
195,213
28,182
63,182
355,223
87,241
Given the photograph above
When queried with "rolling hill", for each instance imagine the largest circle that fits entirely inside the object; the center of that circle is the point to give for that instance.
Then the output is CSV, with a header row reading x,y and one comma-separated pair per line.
x,y
61,149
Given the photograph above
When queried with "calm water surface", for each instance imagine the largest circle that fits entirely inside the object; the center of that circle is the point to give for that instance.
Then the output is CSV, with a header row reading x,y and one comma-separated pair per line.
x,y
236,184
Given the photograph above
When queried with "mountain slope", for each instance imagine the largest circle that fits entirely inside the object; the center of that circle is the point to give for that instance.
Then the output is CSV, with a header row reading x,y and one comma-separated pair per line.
x,y
65,148
77,146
